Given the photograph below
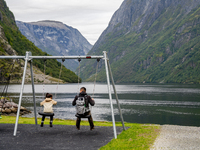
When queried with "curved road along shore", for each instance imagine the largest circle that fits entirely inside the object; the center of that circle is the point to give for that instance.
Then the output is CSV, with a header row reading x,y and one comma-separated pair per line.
x,y
177,138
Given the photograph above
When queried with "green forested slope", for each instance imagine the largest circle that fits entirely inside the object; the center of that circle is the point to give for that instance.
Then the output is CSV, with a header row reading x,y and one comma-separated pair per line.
x,y
166,49
20,44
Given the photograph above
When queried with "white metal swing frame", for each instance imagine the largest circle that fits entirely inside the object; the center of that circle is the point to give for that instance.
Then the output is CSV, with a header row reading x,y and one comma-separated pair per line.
x,y
28,58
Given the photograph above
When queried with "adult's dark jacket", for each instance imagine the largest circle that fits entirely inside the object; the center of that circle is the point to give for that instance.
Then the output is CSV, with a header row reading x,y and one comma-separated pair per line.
x,y
89,99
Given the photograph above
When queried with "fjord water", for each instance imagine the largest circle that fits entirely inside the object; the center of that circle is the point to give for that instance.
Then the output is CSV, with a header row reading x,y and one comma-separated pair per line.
x,y
176,104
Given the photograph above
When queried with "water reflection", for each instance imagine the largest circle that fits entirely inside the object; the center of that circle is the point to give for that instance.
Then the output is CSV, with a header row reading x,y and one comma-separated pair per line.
x,y
140,103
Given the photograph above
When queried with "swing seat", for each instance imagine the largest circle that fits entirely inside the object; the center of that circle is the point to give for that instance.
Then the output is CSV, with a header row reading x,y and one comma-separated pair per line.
x,y
82,116
45,114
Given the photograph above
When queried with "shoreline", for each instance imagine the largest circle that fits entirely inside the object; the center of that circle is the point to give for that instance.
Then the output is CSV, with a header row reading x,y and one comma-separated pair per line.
x,y
118,123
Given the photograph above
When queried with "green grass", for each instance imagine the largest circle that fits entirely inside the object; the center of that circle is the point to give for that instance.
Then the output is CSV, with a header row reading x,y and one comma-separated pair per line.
x,y
138,136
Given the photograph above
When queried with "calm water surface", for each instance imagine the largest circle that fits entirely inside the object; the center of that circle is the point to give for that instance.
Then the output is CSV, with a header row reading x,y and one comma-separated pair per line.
x,y
140,103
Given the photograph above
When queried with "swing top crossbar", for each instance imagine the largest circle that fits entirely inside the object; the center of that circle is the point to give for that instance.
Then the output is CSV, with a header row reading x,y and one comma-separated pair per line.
x,y
51,57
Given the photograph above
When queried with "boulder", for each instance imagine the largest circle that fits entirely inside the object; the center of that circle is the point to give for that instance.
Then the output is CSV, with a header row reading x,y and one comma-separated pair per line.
x,y
7,110
14,104
22,113
7,105
2,110
14,110
23,108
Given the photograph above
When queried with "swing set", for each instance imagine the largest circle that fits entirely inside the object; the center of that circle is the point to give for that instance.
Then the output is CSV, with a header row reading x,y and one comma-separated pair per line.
x,y
29,58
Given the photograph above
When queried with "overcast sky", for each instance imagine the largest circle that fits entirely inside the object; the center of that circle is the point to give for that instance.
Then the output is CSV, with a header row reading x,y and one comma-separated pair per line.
x,y
90,17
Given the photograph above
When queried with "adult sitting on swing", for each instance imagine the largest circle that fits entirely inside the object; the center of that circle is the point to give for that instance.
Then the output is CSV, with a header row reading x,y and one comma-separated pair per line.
x,y
82,102
48,108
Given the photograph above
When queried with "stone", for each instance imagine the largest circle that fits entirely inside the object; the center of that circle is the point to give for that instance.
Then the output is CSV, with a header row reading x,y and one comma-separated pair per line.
x,y
7,110
21,113
7,105
14,110
23,108
14,105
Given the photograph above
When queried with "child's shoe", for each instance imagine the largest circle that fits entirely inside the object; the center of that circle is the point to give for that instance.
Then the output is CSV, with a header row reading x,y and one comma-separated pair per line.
x,y
42,123
92,128
51,125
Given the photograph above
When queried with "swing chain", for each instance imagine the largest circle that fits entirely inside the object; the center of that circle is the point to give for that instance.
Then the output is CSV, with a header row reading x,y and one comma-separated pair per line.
x,y
79,71
8,80
98,59
59,76
44,77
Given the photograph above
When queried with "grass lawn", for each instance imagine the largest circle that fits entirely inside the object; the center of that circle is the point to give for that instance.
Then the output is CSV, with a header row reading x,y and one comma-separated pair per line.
x,y
138,136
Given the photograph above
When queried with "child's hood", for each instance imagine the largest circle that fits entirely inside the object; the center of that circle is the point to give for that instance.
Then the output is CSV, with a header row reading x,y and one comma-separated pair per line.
x,y
48,100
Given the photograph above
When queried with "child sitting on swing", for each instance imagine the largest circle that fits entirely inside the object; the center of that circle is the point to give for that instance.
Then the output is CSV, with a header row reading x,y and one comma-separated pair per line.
x,y
48,109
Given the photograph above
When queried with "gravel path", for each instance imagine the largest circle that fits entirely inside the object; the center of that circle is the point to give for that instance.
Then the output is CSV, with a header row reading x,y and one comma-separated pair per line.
x,y
57,138
178,138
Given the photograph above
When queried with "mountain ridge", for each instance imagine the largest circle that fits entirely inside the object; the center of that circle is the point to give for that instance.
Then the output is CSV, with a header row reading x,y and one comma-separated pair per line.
x,y
56,38
151,41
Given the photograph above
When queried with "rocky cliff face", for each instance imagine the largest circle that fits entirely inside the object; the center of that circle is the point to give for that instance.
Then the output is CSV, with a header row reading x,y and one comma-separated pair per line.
x,y
152,41
135,16
6,49
6,65
56,38
4,43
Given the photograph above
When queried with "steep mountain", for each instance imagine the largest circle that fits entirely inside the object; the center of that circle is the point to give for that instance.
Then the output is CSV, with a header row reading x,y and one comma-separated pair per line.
x,y
56,38
151,41
12,42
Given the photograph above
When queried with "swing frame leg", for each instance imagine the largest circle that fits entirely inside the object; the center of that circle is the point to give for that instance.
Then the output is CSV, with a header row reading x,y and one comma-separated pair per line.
x,y
110,95
117,100
21,93
33,89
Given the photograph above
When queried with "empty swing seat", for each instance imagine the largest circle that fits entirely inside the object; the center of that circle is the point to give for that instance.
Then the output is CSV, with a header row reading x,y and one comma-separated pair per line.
x,y
82,116
46,114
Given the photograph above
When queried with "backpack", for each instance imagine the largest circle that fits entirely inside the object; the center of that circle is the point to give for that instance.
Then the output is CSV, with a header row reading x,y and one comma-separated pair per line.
x,y
81,105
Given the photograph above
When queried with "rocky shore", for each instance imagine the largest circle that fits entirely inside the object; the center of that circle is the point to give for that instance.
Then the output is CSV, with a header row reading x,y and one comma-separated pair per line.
x,y
7,107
